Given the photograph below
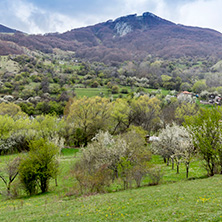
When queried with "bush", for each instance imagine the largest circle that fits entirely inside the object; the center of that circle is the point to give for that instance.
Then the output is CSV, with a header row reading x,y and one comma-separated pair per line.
x,y
124,91
155,175
108,158
90,182
39,166
115,89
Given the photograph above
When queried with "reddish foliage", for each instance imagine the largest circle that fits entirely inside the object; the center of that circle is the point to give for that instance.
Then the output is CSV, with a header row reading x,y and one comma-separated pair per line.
x,y
148,35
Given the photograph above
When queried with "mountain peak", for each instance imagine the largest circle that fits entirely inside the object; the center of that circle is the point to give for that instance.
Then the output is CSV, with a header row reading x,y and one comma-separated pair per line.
x,y
130,23
146,14
131,37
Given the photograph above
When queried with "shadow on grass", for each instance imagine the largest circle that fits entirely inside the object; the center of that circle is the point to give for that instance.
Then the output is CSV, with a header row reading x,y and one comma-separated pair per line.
x,y
197,178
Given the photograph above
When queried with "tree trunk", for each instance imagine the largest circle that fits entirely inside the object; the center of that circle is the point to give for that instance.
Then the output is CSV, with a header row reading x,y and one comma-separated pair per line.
x,y
178,168
172,163
44,185
211,168
187,170
8,188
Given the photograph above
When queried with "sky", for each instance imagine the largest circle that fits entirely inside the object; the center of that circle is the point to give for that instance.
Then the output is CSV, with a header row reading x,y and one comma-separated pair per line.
x,y
44,16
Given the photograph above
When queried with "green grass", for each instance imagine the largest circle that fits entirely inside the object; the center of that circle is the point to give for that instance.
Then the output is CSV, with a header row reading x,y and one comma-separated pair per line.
x,y
208,106
176,199
90,92
69,151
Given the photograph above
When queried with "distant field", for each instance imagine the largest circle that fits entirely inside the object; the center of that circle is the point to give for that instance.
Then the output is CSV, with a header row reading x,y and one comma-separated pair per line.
x,y
90,92
177,199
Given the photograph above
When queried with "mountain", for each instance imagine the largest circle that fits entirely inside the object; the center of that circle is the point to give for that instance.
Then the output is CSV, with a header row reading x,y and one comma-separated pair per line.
x,y
130,37
4,29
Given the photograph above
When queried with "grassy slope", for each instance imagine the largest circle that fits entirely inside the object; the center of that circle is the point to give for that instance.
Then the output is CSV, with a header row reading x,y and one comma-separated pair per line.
x,y
90,92
183,200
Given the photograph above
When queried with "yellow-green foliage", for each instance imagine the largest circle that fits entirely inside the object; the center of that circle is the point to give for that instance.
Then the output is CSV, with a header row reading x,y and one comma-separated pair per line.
x,y
10,109
186,110
39,166
90,114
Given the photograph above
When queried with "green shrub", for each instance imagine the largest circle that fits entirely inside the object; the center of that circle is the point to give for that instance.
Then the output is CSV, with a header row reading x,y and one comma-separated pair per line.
x,y
155,175
124,91
39,166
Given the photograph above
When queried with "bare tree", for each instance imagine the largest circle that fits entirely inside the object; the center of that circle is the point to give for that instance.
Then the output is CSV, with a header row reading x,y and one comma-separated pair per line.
x,y
11,170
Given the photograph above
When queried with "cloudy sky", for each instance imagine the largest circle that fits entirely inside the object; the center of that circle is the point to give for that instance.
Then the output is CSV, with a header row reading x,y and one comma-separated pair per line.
x,y
43,16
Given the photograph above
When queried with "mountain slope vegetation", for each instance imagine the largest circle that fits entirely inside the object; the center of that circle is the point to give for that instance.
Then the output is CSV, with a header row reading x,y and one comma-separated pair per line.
x,y
127,38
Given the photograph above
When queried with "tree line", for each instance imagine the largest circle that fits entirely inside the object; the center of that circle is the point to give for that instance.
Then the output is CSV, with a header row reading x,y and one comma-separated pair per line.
x,y
112,134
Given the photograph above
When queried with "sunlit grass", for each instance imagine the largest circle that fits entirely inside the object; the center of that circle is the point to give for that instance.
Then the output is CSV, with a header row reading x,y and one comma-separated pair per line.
x,y
104,91
182,200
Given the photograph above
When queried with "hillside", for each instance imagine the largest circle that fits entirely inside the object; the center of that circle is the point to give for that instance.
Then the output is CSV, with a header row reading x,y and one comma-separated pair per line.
x,y
194,200
127,38
4,29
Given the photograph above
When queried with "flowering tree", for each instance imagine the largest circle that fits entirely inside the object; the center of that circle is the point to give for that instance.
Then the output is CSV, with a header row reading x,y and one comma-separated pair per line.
x,y
175,142
124,157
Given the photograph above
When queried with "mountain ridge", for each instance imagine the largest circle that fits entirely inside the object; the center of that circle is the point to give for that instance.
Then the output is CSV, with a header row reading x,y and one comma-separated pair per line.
x,y
128,37
5,29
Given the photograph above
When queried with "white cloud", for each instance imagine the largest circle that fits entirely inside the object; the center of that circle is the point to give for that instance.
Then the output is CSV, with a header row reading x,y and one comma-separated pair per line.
x,y
139,6
35,20
203,13
28,17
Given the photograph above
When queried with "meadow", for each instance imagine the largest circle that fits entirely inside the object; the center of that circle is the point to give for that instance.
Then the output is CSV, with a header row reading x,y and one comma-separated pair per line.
x,y
175,199
91,92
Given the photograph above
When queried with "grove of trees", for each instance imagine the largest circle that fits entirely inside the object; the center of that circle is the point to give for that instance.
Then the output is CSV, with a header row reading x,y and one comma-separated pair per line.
x,y
111,135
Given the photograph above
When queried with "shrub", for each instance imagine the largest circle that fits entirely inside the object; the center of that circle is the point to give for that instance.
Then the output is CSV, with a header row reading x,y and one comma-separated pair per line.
x,y
108,158
124,91
155,175
115,89
39,166
90,182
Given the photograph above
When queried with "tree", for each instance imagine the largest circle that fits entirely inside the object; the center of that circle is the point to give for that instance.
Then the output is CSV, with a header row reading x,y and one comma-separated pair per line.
x,y
199,86
207,133
125,156
39,166
120,115
168,111
185,86
11,169
7,124
175,142
10,109
185,110
50,128
145,112
90,115
135,164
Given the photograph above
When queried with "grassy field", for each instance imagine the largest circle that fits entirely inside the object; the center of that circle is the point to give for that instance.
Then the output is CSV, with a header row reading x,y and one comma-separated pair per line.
x,y
90,92
176,199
